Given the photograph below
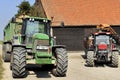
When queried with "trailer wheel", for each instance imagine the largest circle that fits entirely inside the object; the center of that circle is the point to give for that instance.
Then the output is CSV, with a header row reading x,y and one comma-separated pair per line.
x,y
5,54
90,58
61,62
19,63
115,58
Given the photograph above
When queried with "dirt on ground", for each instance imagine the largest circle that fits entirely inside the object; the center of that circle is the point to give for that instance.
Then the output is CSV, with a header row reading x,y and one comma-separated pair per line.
x,y
77,70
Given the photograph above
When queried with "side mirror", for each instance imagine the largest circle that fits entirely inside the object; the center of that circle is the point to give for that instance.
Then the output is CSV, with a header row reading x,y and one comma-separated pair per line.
x,y
62,24
13,19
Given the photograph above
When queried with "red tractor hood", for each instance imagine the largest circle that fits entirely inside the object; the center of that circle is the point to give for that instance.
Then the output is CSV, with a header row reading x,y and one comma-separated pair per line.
x,y
102,46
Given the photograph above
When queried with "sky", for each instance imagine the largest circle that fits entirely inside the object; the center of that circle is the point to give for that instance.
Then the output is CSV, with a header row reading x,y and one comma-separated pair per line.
x,y
7,10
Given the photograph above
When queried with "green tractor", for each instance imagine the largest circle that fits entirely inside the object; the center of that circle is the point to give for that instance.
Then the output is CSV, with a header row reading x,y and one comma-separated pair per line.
x,y
35,45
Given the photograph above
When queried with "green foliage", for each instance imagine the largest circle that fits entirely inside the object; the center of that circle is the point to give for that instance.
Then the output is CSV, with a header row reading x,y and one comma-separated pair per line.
x,y
36,11
24,8
1,41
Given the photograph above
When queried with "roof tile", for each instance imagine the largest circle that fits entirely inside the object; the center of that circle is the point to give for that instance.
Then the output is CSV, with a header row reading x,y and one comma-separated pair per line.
x,y
83,12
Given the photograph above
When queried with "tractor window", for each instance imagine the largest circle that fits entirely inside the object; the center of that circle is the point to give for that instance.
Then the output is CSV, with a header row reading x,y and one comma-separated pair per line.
x,y
34,27
18,28
102,39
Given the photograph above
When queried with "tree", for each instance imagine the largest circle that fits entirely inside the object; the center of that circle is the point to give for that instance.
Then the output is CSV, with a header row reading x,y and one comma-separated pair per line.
x,y
36,11
24,8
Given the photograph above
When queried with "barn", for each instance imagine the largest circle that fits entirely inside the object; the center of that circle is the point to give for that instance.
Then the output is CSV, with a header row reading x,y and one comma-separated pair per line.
x,y
80,18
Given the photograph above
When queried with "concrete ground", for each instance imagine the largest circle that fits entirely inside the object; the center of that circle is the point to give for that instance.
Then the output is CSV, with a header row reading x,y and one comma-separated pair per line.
x,y
77,70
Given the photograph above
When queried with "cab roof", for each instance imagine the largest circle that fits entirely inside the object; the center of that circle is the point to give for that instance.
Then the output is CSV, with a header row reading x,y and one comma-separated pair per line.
x,y
38,18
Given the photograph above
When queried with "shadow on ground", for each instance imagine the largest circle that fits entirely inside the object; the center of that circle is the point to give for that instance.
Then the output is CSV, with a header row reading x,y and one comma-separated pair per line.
x,y
43,71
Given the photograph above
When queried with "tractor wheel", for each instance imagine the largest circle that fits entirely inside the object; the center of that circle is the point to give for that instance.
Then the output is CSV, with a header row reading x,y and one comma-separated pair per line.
x,y
19,63
6,55
115,58
61,62
90,58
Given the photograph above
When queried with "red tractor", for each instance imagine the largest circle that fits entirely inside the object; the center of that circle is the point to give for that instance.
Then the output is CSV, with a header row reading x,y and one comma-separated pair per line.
x,y
102,49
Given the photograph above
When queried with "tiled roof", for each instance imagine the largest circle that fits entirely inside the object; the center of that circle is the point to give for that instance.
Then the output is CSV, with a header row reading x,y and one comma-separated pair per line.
x,y
83,12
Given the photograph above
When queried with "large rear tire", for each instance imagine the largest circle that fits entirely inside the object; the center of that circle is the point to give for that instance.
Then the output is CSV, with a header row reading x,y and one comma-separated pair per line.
x,y
115,59
19,63
61,62
90,58
5,53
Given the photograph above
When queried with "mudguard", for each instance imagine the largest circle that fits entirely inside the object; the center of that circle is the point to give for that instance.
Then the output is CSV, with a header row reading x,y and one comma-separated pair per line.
x,y
57,46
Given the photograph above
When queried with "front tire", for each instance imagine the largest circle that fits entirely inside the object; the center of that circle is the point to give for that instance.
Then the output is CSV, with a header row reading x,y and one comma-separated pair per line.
x,y
19,62
61,62
115,59
90,58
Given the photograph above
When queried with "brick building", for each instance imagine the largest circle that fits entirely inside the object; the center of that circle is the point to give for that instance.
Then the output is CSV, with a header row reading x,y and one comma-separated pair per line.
x,y
80,18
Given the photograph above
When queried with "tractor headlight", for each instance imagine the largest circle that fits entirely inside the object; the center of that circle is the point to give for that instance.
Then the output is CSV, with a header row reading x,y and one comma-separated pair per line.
x,y
42,47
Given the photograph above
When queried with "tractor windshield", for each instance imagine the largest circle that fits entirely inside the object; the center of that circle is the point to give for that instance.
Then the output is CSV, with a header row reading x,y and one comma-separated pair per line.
x,y
102,39
34,27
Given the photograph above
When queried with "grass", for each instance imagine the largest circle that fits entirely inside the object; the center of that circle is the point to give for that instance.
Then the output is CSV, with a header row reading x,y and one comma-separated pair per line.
x,y
1,68
1,41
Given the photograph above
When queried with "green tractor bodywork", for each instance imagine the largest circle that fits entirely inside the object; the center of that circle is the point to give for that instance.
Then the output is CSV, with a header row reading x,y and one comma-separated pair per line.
x,y
43,56
32,43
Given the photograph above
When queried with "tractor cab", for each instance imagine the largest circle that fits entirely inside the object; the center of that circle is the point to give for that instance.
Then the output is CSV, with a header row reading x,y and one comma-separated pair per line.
x,y
35,30
102,46
102,41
